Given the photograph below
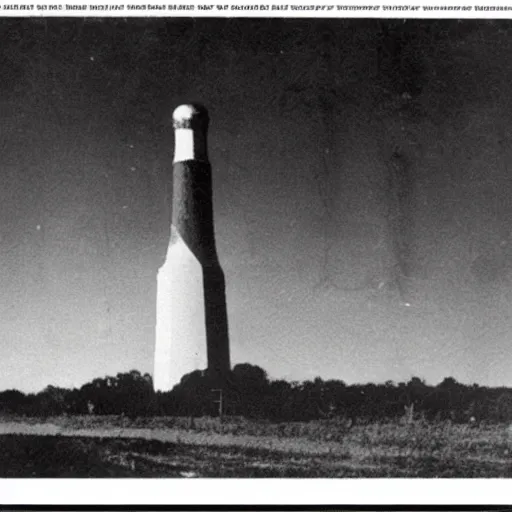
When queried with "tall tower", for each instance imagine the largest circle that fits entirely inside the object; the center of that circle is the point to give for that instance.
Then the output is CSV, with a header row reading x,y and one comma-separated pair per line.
x,y
191,323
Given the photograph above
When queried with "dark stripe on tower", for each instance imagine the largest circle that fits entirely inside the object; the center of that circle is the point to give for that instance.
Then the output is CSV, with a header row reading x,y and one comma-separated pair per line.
x,y
192,209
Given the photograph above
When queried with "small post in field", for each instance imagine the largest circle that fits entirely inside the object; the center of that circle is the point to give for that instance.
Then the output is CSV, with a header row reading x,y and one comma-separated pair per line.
x,y
409,413
219,401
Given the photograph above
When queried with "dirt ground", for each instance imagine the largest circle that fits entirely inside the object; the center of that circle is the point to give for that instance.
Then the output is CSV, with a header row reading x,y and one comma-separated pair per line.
x,y
70,447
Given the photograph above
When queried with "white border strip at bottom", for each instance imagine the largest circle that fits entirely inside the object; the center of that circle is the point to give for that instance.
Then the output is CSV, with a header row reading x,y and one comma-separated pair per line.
x,y
255,492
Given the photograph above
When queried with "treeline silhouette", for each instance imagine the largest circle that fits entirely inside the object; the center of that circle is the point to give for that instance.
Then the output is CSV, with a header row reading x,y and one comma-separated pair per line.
x,y
248,392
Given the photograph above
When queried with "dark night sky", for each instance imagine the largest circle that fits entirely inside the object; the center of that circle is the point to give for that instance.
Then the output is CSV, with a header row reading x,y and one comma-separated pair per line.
x,y
361,193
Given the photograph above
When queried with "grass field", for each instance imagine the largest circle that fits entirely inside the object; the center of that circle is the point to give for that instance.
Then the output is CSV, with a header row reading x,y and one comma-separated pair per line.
x,y
95,446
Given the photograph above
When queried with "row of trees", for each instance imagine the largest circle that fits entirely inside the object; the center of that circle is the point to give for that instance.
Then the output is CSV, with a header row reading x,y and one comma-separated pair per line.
x,y
250,393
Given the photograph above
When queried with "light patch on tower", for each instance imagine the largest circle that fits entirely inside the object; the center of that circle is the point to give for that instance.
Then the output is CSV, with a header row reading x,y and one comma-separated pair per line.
x,y
180,344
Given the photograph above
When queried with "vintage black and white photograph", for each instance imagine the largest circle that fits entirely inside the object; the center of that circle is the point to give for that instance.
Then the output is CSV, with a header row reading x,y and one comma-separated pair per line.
x,y
255,247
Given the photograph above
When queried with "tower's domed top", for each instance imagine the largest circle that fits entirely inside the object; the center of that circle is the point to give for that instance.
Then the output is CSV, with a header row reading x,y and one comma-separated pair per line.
x,y
191,116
